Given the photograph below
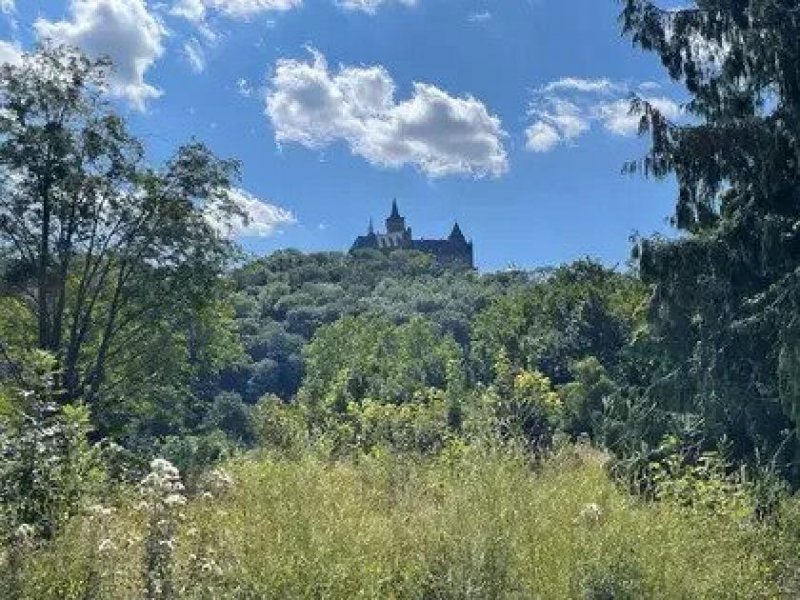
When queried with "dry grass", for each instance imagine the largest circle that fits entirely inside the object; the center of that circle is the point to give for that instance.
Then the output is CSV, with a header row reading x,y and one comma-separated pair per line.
x,y
471,523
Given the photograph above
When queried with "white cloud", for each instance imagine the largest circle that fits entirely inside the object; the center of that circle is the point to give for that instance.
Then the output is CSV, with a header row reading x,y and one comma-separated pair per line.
x,y
244,88
649,85
196,10
542,137
262,218
617,118
564,110
371,6
7,6
194,53
123,30
10,53
480,17
311,105
576,84
558,121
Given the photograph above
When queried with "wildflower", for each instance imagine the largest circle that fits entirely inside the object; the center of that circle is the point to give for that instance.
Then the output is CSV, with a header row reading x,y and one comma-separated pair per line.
x,y
590,513
210,566
98,510
175,500
25,531
221,480
106,546
168,544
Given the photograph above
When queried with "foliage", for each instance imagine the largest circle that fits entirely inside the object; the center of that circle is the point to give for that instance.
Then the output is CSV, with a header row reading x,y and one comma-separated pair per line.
x,y
725,302
360,358
574,312
48,467
112,261
585,398
283,299
520,407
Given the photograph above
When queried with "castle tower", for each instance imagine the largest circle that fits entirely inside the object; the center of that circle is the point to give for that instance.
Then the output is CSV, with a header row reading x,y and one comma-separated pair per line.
x,y
457,236
395,223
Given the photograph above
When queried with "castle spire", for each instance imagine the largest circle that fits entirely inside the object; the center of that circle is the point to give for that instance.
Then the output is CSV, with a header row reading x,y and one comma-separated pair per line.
x,y
395,223
371,227
457,235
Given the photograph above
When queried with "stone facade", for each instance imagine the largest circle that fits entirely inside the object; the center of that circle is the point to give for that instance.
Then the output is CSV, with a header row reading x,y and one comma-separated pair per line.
x,y
455,250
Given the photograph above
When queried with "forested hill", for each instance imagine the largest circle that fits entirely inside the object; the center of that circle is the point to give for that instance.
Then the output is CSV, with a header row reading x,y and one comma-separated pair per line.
x,y
283,299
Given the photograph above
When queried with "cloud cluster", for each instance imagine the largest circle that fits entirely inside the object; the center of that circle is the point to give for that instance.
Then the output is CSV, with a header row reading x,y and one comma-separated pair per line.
x,y
564,110
314,106
263,219
123,30
371,6
196,10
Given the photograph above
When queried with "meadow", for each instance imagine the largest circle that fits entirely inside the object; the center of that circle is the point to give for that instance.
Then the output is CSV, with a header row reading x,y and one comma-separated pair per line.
x,y
471,522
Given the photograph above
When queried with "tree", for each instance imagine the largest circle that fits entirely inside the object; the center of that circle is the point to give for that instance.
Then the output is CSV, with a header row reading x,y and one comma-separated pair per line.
x,y
107,253
727,293
360,358
575,311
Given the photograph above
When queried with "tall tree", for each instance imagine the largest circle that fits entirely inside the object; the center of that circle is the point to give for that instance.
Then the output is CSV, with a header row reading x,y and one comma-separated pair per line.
x,y
104,250
727,292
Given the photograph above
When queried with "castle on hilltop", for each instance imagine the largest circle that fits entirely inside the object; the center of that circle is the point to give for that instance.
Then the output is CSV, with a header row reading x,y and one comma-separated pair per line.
x,y
455,250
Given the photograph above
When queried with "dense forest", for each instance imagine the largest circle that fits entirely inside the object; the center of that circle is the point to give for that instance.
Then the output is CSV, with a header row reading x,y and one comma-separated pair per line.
x,y
181,420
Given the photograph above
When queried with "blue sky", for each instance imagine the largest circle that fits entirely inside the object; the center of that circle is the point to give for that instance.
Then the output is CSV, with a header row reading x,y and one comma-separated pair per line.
x,y
508,116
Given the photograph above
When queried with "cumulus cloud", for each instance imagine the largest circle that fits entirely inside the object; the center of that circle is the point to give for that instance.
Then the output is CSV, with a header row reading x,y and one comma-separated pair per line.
x,y
314,106
372,6
564,110
10,53
7,6
263,219
196,10
542,137
123,30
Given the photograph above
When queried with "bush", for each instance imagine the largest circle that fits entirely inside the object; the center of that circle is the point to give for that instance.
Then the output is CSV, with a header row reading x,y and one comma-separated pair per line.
x,y
48,467
279,426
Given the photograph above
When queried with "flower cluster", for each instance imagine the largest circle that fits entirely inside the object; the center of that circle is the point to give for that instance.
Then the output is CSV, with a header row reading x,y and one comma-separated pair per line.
x,y
162,495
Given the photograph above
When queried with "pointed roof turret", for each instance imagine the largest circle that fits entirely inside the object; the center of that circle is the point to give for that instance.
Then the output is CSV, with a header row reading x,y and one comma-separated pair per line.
x,y
395,213
370,228
395,223
457,235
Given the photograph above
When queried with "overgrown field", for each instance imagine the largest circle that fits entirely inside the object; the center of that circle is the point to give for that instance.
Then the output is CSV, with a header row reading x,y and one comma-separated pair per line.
x,y
469,523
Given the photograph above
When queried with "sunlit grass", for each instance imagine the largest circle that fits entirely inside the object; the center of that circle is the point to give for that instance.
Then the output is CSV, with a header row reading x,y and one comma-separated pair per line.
x,y
471,523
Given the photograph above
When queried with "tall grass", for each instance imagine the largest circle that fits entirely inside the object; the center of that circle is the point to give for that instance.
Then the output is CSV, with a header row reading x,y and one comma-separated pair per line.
x,y
470,523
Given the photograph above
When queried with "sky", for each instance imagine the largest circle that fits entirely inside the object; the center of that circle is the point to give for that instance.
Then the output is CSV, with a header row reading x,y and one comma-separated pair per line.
x,y
509,116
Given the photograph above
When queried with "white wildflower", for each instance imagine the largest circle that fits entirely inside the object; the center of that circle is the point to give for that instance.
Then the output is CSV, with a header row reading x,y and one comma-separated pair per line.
x,y
175,500
591,513
25,531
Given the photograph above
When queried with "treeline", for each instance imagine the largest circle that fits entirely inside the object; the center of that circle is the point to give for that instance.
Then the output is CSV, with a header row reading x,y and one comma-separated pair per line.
x,y
397,338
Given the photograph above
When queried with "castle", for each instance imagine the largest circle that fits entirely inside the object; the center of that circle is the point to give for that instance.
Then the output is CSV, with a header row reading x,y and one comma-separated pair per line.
x,y
455,250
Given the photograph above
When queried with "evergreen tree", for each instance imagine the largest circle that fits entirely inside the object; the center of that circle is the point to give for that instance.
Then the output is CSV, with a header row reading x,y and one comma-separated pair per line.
x,y
726,293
